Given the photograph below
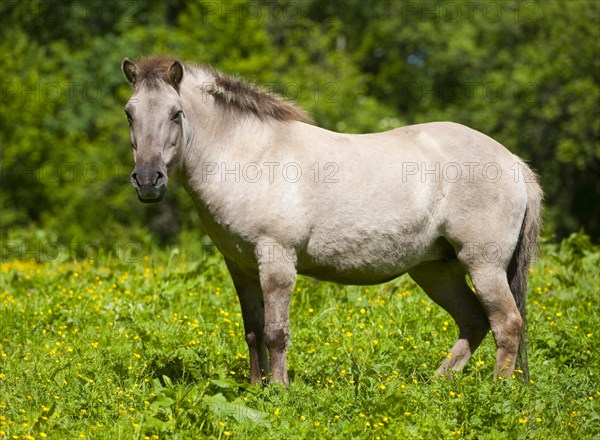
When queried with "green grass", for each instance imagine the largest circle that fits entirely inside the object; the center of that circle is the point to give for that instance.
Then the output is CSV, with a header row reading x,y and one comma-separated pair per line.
x,y
153,347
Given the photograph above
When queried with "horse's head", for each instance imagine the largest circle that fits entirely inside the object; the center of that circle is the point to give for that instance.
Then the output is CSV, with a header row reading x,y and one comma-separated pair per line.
x,y
155,115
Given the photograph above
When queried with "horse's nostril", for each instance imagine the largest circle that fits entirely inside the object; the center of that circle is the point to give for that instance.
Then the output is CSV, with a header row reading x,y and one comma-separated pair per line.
x,y
134,179
159,176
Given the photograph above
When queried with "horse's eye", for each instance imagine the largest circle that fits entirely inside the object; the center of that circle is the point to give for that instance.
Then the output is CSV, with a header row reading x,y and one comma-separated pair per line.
x,y
129,117
177,116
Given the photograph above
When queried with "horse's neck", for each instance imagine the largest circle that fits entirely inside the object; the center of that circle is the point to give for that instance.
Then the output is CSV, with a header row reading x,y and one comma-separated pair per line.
x,y
217,137
218,142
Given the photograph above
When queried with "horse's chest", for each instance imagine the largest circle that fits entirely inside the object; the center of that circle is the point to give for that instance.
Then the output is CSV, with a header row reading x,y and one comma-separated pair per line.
x,y
230,239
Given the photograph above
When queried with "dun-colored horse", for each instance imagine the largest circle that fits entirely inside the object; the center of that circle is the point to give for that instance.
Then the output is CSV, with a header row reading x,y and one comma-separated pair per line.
x,y
280,197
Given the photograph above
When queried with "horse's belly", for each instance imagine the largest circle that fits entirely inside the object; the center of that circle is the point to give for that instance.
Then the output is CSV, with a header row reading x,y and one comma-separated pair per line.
x,y
371,259
354,277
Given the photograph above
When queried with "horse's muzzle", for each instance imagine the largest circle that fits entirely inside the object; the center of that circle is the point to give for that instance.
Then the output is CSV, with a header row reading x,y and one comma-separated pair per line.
x,y
150,186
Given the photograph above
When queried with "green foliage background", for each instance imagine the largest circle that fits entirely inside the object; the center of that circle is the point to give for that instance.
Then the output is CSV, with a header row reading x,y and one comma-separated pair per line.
x,y
524,72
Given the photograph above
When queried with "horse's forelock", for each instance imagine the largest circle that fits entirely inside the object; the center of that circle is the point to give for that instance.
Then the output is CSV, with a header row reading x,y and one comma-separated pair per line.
x,y
153,70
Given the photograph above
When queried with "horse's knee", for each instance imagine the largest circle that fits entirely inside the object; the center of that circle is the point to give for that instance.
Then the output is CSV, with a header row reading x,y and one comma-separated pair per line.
x,y
276,336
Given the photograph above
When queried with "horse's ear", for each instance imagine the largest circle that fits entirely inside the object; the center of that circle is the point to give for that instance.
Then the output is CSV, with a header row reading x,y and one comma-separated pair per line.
x,y
176,74
130,71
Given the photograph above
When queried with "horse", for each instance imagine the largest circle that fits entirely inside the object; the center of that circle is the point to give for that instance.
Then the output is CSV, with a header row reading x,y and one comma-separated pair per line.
x,y
279,196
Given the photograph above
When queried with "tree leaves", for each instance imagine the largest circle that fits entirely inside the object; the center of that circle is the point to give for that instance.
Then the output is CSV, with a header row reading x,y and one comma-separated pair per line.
x,y
526,73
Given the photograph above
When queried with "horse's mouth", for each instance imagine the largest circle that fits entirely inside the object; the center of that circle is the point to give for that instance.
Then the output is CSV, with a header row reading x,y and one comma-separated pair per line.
x,y
153,195
154,200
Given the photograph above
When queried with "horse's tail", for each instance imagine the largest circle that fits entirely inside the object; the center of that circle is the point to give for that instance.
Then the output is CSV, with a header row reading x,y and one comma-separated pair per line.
x,y
525,252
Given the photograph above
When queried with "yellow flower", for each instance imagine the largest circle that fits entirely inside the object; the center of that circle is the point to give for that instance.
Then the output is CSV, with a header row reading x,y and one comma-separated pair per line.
x,y
522,420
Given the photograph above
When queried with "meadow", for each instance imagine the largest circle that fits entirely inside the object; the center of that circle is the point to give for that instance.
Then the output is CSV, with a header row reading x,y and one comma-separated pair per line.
x,y
148,344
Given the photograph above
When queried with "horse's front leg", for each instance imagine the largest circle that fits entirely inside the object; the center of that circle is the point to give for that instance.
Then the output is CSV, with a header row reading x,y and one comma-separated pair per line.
x,y
277,273
250,295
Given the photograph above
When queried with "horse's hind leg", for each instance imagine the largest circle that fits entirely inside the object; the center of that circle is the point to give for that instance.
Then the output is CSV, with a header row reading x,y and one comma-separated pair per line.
x,y
493,291
445,284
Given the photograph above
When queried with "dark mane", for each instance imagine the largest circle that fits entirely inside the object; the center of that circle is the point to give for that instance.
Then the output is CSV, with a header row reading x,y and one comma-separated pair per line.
x,y
228,91
250,98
